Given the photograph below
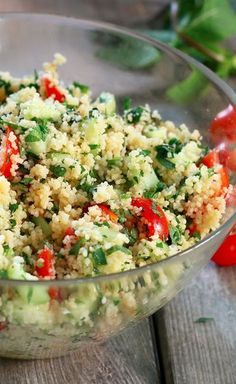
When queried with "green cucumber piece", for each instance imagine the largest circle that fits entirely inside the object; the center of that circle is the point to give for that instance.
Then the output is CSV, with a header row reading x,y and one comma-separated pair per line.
x,y
110,103
43,224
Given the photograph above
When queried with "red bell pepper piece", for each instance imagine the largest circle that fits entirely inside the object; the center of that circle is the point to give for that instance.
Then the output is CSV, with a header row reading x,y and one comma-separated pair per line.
x,y
9,147
104,208
52,91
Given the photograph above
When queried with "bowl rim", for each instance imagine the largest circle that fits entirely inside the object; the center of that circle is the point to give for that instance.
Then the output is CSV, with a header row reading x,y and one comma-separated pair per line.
x,y
219,83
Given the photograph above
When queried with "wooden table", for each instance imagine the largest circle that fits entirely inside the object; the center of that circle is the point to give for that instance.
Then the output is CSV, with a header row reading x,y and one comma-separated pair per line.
x,y
170,347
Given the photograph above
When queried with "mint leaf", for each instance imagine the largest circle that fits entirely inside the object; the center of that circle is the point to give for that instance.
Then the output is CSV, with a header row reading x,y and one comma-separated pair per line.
x,y
129,53
214,21
188,89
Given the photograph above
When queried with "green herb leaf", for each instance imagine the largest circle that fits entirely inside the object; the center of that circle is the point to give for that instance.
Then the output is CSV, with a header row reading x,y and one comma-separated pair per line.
x,y
3,274
205,21
84,88
129,53
113,162
144,152
127,103
99,257
204,320
58,170
26,180
133,115
76,247
188,89
94,146
13,207
175,234
7,250
37,133
197,235
13,223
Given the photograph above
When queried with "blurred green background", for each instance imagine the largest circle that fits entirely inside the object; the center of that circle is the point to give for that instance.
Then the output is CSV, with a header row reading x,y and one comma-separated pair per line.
x,y
205,29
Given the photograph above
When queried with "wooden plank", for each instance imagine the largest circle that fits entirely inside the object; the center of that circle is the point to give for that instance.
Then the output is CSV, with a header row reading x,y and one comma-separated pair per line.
x,y
200,352
127,358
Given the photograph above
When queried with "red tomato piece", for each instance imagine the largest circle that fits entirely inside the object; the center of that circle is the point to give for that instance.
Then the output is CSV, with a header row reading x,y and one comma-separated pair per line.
x,y
52,91
107,211
104,208
228,158
231,197
10,146
224,177
54,293
69,232
193,229
44,265
153,217
211,159
3,325
225,256
224,125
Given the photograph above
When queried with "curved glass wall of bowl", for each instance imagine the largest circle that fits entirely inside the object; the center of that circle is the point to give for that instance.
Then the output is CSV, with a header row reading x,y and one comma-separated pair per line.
x,y
107,59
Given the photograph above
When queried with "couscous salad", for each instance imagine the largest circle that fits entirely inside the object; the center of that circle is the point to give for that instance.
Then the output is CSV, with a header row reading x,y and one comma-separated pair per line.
x,y
86,190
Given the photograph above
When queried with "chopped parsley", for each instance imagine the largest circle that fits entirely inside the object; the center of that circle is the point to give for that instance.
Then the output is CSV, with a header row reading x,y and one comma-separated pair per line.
x,y
83,88
167,151
144,152
38,133
26,180
76,247
13,223
113,162
197,235
94,146
175,234
134,115
203,320
127,103
58,170
6,85
13,207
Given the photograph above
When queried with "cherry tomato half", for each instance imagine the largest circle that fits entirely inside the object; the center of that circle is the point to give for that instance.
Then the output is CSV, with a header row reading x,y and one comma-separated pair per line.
x,y
212,159
224,126
44,265
225,256
153,217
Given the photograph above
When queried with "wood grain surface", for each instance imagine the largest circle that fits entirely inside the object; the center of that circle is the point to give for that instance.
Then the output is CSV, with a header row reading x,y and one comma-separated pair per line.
x,y
127,358
200,353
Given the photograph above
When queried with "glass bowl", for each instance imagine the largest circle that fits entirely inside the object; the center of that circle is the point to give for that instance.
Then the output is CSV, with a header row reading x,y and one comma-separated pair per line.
x,y
92,309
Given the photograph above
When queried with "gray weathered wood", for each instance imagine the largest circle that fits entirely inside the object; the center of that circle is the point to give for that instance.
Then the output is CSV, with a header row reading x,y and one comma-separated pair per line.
x,y
127,358
194,353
